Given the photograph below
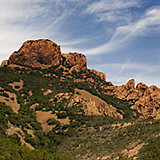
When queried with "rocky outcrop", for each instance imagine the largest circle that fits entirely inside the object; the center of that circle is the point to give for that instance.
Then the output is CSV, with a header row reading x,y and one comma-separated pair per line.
x,y
37,53
148,104
4,63
130,84
144,99
100,74
45,53
75,59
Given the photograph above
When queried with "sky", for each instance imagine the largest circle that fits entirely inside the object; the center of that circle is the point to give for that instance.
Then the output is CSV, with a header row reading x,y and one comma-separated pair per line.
x,y
120,38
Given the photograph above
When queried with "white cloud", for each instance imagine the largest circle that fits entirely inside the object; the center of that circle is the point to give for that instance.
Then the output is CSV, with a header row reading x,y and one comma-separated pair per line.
x,y
111,10
15,11
22,20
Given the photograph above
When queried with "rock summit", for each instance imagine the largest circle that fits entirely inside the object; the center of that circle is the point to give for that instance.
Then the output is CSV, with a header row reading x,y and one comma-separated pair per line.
x,y
44,54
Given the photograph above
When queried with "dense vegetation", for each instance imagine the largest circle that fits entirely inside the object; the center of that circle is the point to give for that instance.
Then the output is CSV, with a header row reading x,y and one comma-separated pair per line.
x,y
11,151
151,151
85,136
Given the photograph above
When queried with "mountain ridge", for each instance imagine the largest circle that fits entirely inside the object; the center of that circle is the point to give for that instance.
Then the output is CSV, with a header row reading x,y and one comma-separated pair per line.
x,y
44,53
59,105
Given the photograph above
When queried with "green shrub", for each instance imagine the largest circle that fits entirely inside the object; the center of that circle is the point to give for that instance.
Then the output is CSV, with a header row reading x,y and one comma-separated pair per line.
x,y
17,87
52,121
61,115
78,93
5,94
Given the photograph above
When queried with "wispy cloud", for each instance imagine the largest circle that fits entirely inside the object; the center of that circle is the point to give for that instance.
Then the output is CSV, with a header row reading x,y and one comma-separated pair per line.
x,y
147,23
21,20
111,10
104,5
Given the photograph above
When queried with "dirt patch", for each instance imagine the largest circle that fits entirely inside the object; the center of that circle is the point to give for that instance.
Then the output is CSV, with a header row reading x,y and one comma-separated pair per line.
x,y
116,125
30,131
133,144
11,101
17,85
127,124
34,105
47,92
62,121
132,152
42,117
79,80
135,150
105,157
16,66
30,93
15,130
119,125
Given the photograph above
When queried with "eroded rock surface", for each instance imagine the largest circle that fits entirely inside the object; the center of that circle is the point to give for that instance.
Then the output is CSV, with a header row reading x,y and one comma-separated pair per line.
x,y
75,59
100,74
37,53
143,98
44,54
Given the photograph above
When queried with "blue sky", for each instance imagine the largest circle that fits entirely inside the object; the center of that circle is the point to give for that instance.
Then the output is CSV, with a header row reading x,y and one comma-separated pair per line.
x,y
119,37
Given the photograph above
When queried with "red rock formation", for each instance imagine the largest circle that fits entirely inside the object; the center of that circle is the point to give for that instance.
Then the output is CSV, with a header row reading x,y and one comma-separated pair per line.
x,y
37,53
100,74
45,53
75,59
141,87
130,84
146,100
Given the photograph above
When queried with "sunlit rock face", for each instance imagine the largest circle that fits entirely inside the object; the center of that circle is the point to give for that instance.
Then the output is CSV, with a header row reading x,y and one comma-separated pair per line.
x,y
45,53
143,98
37,53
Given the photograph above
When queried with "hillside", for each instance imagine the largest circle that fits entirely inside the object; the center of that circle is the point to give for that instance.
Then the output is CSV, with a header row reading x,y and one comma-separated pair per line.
x,y
51,102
